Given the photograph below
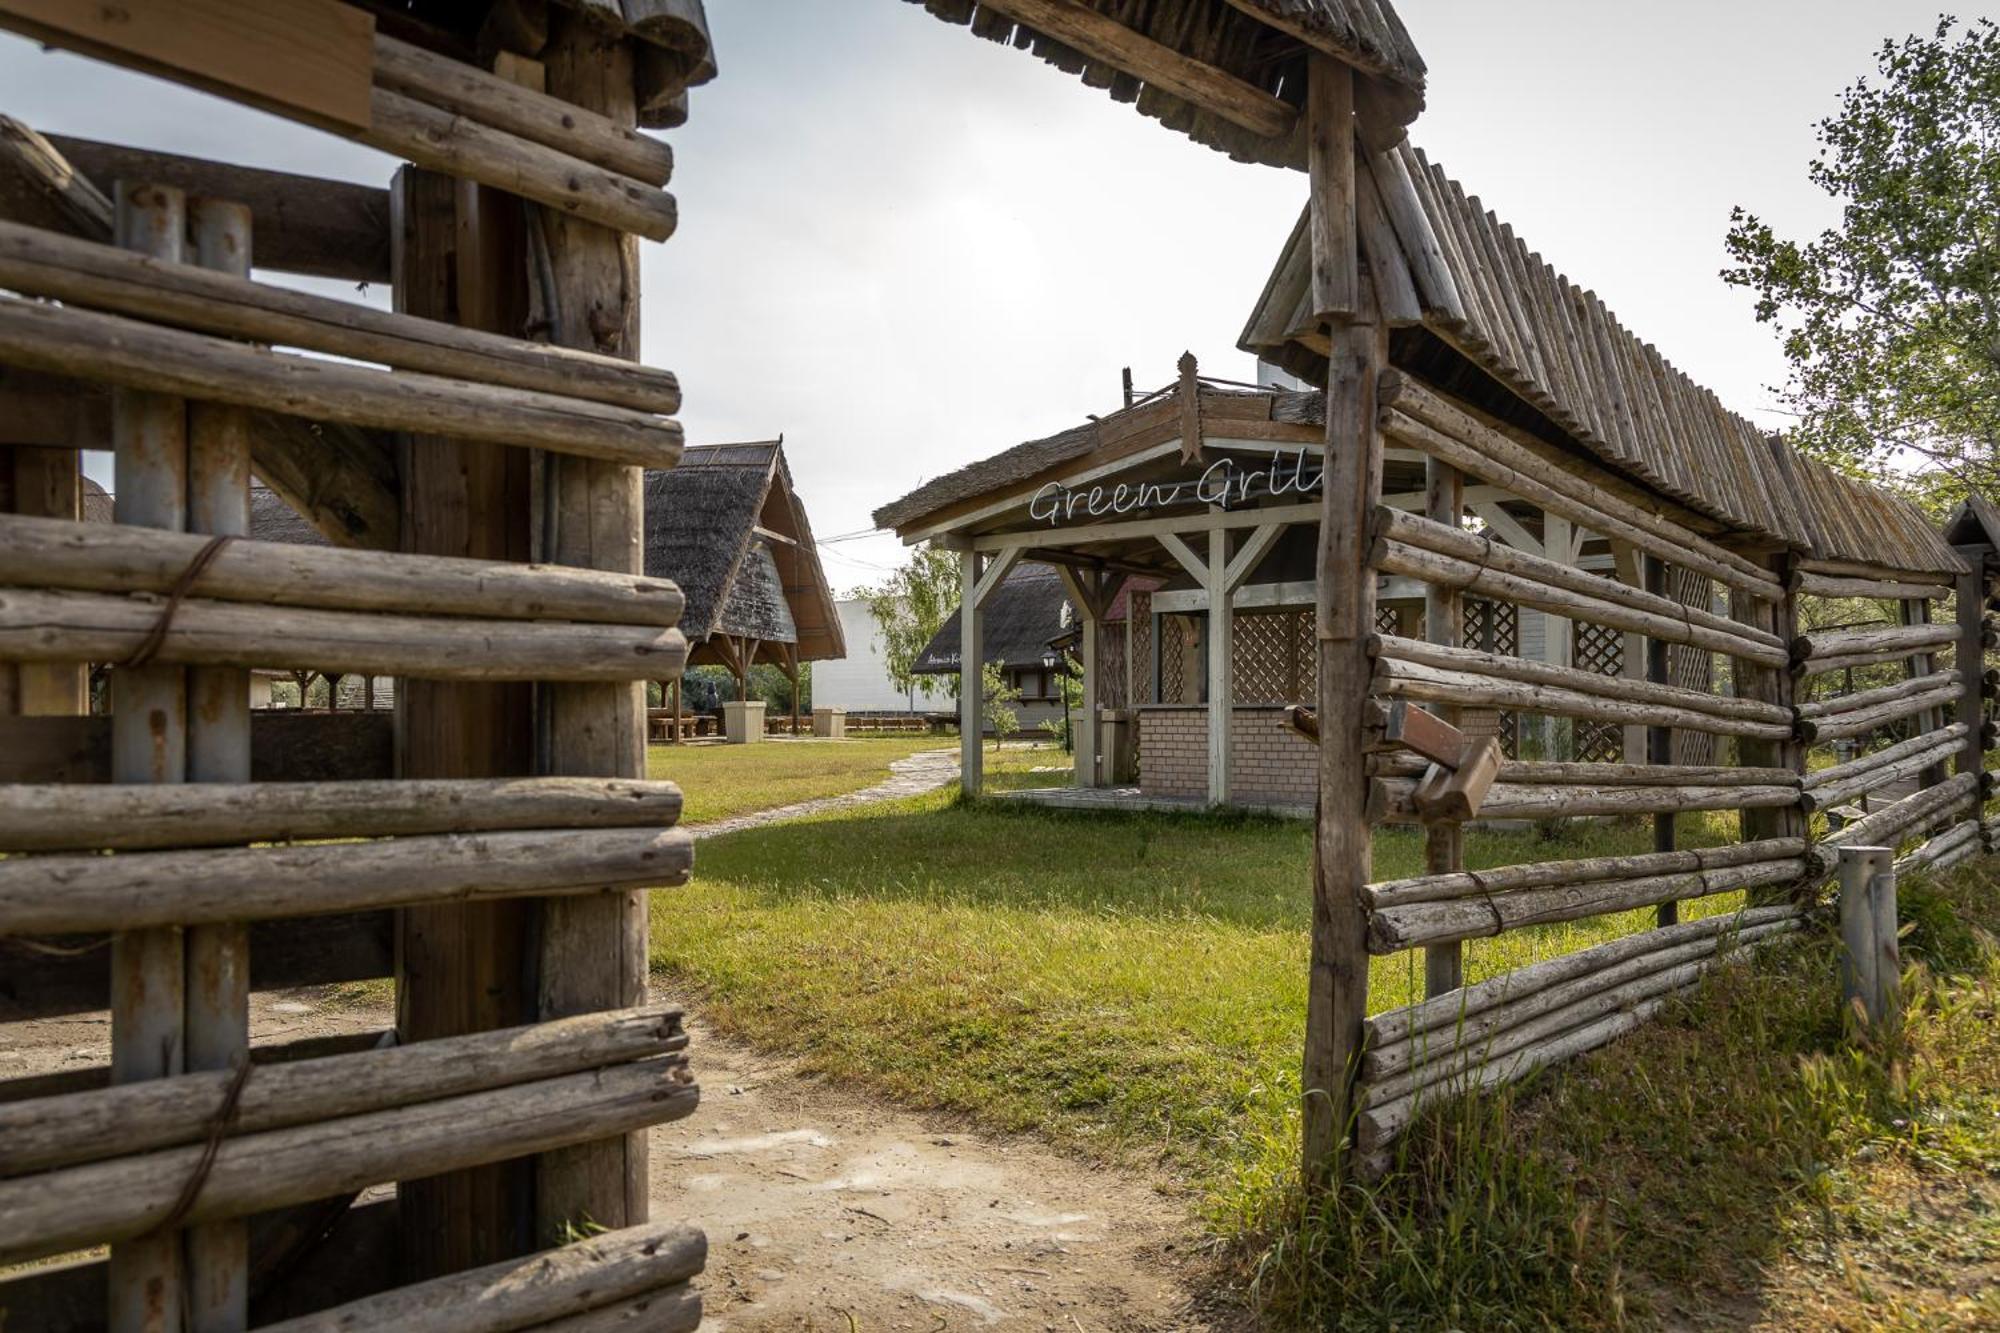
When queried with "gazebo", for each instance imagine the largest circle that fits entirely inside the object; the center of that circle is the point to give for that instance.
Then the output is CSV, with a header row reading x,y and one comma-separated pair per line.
x,y
728,527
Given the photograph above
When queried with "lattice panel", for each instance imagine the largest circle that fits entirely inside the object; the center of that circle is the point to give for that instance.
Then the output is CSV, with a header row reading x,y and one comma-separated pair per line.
x,y
1139,627
1387,620
1267,658
1602,650
1495,627
1111,665
1177,636
1691,668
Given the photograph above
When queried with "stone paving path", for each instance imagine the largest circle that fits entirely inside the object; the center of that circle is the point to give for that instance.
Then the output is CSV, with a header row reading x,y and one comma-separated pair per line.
x,y
909,776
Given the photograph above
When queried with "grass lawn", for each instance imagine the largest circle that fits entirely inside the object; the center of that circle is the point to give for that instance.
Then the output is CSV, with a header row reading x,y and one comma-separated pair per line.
x,y
1134,986
723,780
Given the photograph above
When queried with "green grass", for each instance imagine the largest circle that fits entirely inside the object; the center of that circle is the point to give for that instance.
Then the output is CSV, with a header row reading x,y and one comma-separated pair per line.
x,y
1130,984
720,781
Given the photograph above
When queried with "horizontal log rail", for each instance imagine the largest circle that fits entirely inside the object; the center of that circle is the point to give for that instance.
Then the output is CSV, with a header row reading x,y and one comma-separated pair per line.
x,y
1947,738
1475,662
1895,640
79,892
39,626
137,354
1893,823
1393,800
137,817
1483,551
1395,678
1576,870
1394,1100
45,1132
1860,721
1395,1057
1394,929
1458,1006
1422,419
1862,700
114,557
1532,772
1879,589
1858,569
599,1273
1844,782
122,282
1393,557
1944,850
71,1208
518,110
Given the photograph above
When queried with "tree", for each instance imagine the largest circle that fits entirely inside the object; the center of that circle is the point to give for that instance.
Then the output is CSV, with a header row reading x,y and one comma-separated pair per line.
x,y
1891,320
908,610
996,703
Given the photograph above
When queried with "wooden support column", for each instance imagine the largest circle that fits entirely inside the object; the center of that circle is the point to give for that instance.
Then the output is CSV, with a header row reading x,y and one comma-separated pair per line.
x,y
593,947
1444,623
148,744
47,483
1774,685
1221,666
461,257
1090,593
1972,655
1628,562
1337,988
218,956
977,584
1660,740
1917,611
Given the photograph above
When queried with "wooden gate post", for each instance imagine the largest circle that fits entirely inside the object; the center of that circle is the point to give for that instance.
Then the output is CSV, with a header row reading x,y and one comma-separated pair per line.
x,y
148,744
1444,624
218,956
593,947
1337,988
1772,685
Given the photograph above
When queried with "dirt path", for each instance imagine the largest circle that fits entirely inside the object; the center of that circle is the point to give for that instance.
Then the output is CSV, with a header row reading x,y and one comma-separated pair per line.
x,y
912,775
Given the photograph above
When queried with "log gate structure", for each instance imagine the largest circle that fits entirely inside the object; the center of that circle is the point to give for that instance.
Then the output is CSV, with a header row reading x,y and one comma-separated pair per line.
x,y
475,458
1478,423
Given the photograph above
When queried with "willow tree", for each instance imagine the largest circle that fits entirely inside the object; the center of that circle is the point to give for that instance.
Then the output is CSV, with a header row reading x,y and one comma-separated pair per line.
x,y
1891,319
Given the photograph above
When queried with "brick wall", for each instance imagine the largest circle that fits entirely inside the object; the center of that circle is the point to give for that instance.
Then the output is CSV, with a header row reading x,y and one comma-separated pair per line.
x,y
1269,764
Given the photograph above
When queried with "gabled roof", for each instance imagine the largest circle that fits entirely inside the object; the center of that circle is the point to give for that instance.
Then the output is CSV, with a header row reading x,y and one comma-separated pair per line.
x,y
1253,50
1026,611
1445,264
1976,522
728,527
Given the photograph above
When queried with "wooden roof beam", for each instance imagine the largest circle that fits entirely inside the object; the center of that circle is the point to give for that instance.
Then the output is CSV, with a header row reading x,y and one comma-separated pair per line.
x,y
1103,38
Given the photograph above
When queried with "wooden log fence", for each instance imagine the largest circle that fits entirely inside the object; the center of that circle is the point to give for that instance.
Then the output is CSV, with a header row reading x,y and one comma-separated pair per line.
x,y
138,354
1578,870
1584,695
1828,787
1532,772
62,626
42,1133
1944,850
79,892
1393,800
1837,650
1812,584
68,818
53,1212
1566,1021
1914,813
1893,703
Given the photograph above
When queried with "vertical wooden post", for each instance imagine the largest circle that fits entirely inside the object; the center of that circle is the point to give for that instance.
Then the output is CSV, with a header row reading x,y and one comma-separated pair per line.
x,y
47,483
148,744
460,256
1337,989
1090,629
593,947
218,957
1221,667
971,658
1972,655
1660,740
1917,611
1773,685
1444,623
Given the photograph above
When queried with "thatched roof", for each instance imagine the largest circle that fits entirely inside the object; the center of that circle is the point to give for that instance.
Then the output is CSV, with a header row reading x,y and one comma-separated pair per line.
x,y
728,527
1976,522
1561,364
1258,48
1025,613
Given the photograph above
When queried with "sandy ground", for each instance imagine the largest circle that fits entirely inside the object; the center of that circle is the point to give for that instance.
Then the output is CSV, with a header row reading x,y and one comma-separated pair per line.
x,y
828,1210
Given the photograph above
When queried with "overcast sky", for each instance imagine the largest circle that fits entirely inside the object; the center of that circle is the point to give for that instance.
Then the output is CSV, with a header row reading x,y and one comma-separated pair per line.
x,y
906,248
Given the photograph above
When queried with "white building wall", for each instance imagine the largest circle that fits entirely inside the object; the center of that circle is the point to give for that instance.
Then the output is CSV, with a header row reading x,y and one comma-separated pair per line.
x,y
860,682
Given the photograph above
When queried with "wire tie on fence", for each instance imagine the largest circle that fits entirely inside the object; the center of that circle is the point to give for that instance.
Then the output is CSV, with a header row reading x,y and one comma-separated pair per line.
x,y
1486,896
218,1129
149,648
